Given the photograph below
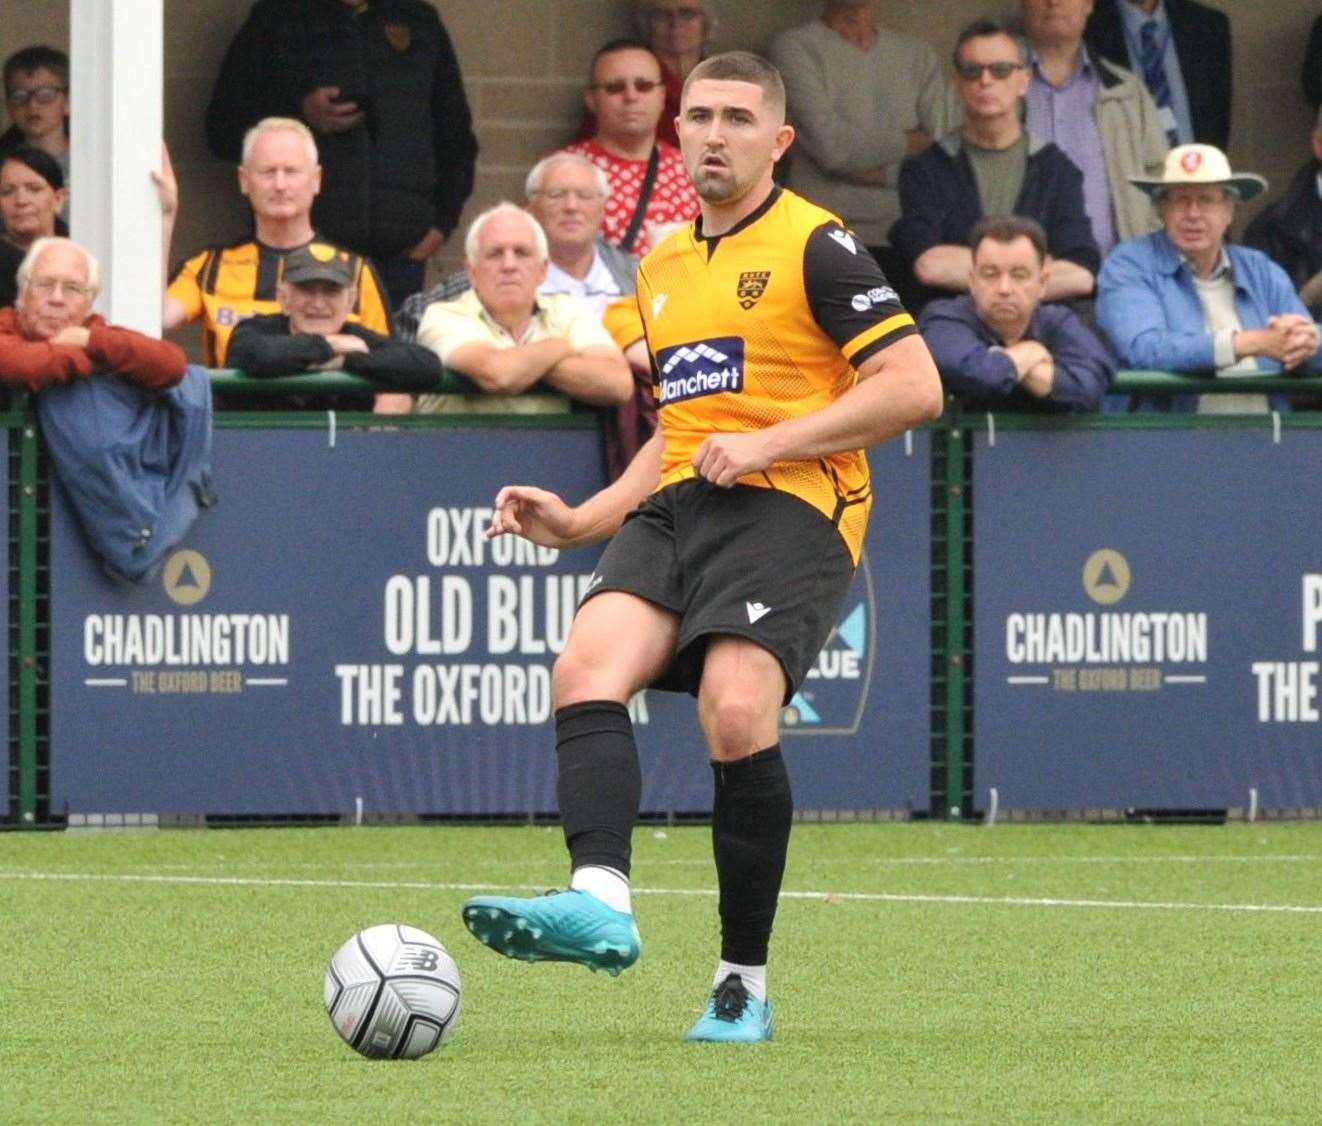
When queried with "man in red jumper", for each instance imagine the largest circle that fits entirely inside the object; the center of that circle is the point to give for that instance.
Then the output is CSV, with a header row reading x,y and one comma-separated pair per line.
x,y
51,335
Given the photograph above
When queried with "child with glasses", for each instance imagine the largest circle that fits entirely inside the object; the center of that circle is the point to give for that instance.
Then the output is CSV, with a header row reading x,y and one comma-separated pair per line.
x,y
37,100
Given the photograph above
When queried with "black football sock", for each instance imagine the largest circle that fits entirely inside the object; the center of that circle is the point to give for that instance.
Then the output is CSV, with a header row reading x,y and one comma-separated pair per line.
x,y
599,784
750,833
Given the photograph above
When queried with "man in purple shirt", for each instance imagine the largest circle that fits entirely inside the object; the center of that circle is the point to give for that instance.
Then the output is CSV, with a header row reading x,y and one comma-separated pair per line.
x,y
1100,114
999,347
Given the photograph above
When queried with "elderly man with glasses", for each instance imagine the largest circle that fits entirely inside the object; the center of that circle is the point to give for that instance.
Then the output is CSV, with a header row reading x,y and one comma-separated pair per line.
x,y
650,189
1186,299
51,336
992,167
567,194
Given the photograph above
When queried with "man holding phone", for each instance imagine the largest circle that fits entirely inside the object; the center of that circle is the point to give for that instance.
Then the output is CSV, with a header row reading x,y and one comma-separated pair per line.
x,y
379,84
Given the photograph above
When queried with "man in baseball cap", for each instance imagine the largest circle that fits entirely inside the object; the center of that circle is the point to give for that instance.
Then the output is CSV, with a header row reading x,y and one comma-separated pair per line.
x,y
1184,299
312,332
318,262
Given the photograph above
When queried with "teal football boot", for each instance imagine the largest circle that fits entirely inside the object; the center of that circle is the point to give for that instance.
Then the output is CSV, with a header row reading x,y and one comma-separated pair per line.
x,y
560,926
733,1016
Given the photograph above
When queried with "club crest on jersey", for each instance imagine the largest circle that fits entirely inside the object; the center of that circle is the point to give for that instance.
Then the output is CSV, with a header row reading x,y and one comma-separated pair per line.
x,y
702,367
751,286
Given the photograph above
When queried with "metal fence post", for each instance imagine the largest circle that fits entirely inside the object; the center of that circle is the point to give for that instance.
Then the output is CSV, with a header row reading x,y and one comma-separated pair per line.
x,y
956,591
27,656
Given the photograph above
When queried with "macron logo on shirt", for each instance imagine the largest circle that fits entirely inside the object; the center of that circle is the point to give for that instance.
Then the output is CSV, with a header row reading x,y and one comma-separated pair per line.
x,y
845,239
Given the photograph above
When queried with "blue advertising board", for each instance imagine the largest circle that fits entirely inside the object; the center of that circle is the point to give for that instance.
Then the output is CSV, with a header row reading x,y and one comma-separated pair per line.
x,y
1147,612
337,635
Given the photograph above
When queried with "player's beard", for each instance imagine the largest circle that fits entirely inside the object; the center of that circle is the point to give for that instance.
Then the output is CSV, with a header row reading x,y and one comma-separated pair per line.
x,y
714,188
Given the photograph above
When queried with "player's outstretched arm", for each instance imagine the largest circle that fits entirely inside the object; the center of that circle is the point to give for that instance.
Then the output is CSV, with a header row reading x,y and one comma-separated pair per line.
x,y
544,518
898,389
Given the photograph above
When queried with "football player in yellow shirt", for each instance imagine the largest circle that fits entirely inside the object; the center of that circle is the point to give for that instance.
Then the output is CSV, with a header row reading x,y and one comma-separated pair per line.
x,y
779,354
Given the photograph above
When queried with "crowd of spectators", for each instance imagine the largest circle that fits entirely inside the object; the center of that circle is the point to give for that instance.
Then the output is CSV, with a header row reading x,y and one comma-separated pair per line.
x,y
1052,196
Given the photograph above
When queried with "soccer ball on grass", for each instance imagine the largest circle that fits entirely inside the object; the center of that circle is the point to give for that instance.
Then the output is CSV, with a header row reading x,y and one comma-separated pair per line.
x,y
392,992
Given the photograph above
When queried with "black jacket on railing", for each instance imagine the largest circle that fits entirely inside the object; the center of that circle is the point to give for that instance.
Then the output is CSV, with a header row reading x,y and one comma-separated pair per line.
x,y
410,166
263,346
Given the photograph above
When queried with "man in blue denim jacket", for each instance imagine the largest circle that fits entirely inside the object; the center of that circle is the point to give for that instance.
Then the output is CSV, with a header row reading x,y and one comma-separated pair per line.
x,y
1183,299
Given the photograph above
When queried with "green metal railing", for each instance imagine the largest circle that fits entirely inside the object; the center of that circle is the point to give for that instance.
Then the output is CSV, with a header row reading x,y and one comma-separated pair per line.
x,y
952,505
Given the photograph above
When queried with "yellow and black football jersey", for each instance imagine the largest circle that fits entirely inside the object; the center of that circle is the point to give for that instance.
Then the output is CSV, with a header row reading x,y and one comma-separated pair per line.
x,y
761,324
226,284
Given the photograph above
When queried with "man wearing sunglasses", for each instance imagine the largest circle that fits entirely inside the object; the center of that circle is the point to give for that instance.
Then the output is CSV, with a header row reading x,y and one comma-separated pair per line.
x,y
37,99
650,190
992,167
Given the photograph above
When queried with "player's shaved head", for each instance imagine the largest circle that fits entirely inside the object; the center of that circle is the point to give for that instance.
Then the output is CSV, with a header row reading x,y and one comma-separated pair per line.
x,y
742,66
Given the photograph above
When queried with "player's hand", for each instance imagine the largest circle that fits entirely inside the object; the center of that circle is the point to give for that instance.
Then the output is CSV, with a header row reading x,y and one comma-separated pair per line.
x,y
535,514
723,458
327,112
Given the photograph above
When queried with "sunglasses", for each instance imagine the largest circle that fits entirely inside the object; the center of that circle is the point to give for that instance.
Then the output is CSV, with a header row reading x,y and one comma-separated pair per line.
x,y
620,85
971,72
42,95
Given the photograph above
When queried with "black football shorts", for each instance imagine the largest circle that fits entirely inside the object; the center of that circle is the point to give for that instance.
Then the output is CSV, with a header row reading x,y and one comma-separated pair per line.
x,y
745,562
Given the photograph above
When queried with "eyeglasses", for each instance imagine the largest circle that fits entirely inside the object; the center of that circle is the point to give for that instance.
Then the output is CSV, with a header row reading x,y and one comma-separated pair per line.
x,y
46,286
675,15
971,72
559,195
620,85
42,95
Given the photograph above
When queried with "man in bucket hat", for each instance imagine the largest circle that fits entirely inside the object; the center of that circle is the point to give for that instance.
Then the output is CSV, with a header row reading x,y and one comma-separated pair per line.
x,y
1183,299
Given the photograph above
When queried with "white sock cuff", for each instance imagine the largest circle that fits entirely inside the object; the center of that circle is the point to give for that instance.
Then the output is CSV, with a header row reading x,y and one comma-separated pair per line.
x,y
753,977
610,885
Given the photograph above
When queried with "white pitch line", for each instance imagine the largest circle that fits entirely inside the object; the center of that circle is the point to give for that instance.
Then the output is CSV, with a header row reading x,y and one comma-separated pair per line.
x,y
842,896
873,861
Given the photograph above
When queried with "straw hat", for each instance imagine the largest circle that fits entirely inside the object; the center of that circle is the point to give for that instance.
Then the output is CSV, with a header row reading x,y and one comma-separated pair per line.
x,y
1201,164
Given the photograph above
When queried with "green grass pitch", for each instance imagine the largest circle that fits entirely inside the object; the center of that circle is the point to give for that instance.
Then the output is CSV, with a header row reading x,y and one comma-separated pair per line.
x,y
923,972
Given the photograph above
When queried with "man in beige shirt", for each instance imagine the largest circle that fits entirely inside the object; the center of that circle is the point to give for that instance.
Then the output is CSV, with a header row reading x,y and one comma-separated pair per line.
x,y
522,352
